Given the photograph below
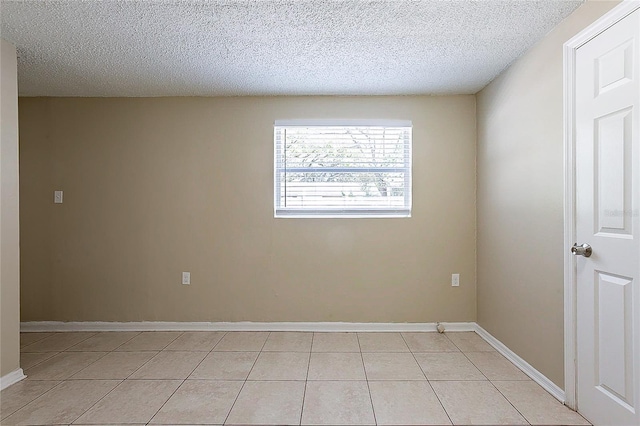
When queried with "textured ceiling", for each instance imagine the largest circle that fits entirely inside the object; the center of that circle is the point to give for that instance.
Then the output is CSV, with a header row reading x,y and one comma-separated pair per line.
x,y
270,47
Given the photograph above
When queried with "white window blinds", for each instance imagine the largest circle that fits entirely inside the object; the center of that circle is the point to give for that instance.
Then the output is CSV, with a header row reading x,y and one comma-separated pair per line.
x,y
342,169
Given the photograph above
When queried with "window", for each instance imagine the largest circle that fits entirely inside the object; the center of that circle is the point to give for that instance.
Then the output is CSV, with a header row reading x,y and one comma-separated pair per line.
x,y
342,168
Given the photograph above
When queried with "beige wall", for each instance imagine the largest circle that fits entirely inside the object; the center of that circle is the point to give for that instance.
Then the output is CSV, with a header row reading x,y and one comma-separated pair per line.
x,y
154,187
9,221
520,200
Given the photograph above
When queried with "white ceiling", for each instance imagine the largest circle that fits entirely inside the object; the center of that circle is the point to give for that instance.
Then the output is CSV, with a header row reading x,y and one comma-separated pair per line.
x,y
270,47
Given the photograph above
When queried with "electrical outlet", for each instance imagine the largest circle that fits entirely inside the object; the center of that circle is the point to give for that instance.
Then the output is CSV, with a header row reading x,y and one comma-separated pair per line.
x,y
57,197
455,280
186,278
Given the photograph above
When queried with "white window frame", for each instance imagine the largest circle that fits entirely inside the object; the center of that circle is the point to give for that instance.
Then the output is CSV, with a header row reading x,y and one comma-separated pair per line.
x,y
334,212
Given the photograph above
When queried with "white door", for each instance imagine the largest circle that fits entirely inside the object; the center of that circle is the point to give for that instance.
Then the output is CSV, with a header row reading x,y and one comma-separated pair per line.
x,y
607,157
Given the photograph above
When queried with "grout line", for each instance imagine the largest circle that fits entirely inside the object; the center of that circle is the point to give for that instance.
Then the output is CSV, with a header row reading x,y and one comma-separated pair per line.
x,y
141,366
451,341
428,381
306,380
245,380
507,399
83,340
167,400
161,351
39,362
157,352
224,333
364,367
414,357
121,380
481,372
93,405
127,341
196,367
33,400
53,335
171,396
475,366
36,341
186,378
106,353
203,359
174,339
69,349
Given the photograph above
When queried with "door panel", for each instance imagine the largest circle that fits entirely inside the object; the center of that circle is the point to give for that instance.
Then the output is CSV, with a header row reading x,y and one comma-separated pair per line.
x,y
613,168
614,367
615,67
607,218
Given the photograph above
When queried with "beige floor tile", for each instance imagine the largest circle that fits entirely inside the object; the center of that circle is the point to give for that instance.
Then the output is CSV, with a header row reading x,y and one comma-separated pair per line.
x,y
199,402
406,403
382,342
537,405
336,366
429,342
20,394
63,366
242,341
393,366
196,341
104,342
288,342
62,405
115,365
337,391
150,341
268,403
495,366
133,401
469,342
337,403
31,359
448,366
29,338
170,365
57,342
225,366
335,342
280,366
476,403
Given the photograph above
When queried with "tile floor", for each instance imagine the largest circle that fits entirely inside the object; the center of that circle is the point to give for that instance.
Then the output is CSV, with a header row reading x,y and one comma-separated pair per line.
x,y
263,378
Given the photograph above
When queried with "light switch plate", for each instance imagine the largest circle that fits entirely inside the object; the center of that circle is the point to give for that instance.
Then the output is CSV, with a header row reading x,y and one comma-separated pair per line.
x,y
57,197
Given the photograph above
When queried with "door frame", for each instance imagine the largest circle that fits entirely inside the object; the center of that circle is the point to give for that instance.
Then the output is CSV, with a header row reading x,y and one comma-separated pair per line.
x,y
570,284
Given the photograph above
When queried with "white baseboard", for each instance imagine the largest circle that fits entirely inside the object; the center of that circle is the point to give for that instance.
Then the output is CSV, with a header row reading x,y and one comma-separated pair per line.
x,y
9,379
51,326
523,365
